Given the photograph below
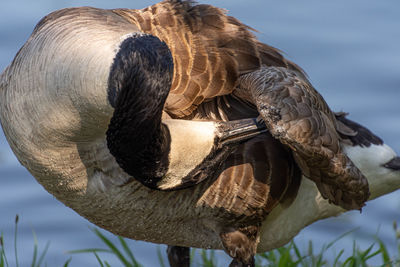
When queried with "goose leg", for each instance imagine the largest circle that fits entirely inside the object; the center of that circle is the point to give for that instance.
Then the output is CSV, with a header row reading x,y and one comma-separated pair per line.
x,y
241,245
236,263
178,256
296,114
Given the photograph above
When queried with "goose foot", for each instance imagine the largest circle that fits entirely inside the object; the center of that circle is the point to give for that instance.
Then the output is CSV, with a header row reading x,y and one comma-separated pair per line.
x,y
178,256
241,245
236,263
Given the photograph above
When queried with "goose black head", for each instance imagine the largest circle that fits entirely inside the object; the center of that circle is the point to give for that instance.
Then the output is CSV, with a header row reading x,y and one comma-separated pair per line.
x,y
139,83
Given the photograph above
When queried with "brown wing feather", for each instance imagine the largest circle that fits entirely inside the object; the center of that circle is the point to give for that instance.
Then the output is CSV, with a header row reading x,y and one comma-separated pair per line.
x,y
257,176
253,180
299,117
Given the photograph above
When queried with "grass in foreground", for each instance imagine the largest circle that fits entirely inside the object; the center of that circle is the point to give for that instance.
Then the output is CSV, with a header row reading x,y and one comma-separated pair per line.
x,y
287,256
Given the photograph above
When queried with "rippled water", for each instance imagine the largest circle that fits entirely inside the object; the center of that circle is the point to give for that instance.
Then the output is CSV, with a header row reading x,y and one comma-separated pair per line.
x,y
350,49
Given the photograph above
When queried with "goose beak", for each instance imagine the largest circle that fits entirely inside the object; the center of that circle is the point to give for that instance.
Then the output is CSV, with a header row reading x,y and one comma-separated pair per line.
x,y
394,164
240,130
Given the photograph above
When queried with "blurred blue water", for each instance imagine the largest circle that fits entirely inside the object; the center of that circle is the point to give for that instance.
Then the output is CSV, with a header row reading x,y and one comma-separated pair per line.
x,y
350,49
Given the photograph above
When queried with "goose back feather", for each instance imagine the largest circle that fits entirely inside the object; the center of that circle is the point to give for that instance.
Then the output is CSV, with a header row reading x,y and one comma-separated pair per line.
x,y
210,50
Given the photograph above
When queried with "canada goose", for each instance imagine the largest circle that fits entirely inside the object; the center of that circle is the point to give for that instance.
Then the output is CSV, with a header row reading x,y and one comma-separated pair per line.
x,y
63,143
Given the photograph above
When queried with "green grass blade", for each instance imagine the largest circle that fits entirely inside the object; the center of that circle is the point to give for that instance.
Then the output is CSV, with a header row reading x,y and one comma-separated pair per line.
x,y
365,253
296,250
66,264
15,240
89,250
349,262
128,251
2,262
330,244
285,258
270,257
98,259
35,249
208,260
320,258
373,255
336,261
35,252
192,254
367,257
3,252
160,257
258,261
310,248
41,258
264,255
113,248
384,252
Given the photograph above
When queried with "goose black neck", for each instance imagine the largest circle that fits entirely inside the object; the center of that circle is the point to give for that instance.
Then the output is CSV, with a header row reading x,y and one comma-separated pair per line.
x,y
138,85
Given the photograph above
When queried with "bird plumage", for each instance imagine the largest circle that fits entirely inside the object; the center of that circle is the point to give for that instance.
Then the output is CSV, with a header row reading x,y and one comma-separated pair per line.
x,y
57,100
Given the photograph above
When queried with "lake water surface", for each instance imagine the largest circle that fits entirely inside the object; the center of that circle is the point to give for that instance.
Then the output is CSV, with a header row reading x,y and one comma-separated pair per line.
x,y
350,50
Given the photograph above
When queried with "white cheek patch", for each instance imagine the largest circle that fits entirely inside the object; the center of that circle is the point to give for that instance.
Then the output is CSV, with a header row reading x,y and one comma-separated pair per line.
x,y
370,159
191,143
